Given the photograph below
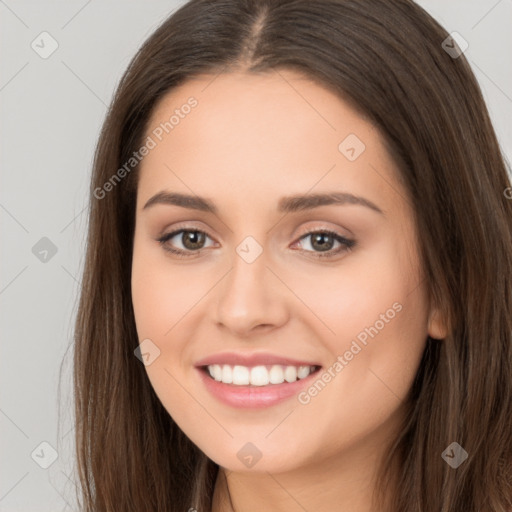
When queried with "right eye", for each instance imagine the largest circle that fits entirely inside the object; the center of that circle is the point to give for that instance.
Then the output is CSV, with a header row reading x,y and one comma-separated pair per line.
x,y
190,240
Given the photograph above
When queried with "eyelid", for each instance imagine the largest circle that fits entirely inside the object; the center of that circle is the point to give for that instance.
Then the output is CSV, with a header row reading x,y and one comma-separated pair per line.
x,y
304,231
322,229
177,228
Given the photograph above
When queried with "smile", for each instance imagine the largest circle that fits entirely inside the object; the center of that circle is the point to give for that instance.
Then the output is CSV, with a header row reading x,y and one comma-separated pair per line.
x,y
258,386
262,375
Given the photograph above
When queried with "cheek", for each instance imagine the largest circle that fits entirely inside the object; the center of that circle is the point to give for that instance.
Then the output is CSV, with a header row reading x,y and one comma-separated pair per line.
x,y
160,298
168,302
367,288
162,292
378,313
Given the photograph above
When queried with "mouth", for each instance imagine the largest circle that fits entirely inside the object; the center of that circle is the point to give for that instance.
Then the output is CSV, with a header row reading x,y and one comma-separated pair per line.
x,y
255,379
259,375
256,387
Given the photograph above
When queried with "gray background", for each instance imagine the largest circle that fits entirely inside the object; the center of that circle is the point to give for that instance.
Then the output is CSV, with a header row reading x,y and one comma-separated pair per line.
x,y
52,110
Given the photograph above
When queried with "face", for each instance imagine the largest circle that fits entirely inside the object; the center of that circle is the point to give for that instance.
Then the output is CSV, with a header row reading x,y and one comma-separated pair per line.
x,y
316,311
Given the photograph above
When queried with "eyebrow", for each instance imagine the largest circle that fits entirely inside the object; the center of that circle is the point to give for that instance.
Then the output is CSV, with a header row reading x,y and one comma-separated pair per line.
x,y
287,204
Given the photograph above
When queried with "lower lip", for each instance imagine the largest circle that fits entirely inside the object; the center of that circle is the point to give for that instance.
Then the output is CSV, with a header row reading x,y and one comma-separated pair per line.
x,y
254,397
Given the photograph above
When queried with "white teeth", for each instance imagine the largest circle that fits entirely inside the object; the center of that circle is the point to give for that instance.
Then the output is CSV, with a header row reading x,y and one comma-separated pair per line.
x,y
258,375
290,374
217,372
227,374
240,375
276,375
303,372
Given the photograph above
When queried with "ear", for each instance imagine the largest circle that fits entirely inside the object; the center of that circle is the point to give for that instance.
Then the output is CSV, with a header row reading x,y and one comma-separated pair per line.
x,y
437,324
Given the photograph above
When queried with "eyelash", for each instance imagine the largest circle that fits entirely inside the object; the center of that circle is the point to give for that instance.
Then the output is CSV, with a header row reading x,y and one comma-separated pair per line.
x,y
346,243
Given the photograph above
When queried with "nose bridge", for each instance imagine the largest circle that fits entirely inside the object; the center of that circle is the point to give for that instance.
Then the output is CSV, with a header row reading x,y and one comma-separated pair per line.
x,y
247,280
249,296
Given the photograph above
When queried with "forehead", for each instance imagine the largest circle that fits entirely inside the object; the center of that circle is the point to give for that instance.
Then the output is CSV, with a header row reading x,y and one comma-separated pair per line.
x,y
248,104
250,134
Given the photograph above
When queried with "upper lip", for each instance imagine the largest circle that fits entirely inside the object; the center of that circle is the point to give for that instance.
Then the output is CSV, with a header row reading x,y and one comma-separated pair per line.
x,y
262,358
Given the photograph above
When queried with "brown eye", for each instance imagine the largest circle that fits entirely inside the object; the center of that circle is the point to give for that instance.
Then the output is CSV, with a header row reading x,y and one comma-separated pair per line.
x,y
192,241
194,238
322,241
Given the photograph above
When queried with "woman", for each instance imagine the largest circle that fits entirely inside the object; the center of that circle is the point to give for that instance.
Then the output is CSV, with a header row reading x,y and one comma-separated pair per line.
x,y
297,284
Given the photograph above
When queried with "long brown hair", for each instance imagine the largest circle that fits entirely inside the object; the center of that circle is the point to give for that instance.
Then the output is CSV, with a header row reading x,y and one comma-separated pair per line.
x,y
386,58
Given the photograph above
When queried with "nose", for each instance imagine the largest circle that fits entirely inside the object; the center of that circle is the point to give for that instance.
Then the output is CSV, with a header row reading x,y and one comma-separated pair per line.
x,y
251,298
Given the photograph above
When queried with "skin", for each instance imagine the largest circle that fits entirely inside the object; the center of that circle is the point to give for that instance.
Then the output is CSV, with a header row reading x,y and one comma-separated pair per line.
x,y
251,140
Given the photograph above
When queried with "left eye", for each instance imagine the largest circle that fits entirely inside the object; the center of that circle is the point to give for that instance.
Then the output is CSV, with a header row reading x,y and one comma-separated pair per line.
x,y
324,240
192,241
